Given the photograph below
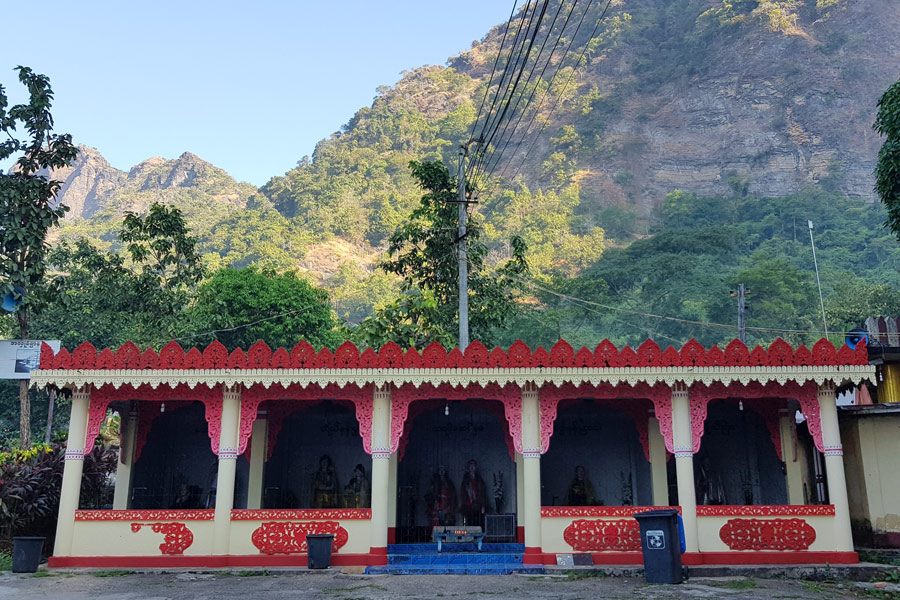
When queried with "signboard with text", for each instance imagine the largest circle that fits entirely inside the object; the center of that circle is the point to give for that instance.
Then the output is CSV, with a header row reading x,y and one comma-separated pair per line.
x,y
19,357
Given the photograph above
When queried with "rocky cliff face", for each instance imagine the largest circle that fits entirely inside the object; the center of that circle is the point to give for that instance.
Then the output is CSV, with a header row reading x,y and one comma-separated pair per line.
x,y
87,182
769,108
92,186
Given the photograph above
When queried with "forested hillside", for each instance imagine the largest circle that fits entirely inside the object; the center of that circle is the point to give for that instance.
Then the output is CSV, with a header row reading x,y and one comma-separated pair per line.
x,y
695,137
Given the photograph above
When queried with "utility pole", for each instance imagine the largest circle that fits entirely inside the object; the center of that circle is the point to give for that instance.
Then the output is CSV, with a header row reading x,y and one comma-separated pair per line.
x,y
742,327
818,283
463,259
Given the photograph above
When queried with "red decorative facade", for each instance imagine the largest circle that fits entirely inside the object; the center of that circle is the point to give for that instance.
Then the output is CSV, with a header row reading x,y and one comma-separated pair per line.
x,y
290,537
814,510
519,355
301,513
767,534
145,515
619,535
598,511
178,537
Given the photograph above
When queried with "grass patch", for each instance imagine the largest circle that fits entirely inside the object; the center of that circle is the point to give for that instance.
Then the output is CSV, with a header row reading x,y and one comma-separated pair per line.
x,y
371,586
254,573
45,573
5,561
815,587
112,573
579,575
743,583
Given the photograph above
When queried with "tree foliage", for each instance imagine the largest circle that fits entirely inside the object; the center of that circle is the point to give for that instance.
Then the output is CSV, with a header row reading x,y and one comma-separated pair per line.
x,y
240,306
162,244
423,253
27,207
887,171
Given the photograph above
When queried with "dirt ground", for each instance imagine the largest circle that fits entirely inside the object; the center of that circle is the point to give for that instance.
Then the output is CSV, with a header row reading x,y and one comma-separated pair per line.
x,y
124,585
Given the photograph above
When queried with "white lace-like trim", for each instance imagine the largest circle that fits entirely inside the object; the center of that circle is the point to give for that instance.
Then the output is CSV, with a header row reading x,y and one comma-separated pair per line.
x,y
456,377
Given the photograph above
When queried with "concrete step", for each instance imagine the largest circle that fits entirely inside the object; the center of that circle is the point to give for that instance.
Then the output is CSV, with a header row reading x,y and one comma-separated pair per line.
x,y
486,547
468,559
484,569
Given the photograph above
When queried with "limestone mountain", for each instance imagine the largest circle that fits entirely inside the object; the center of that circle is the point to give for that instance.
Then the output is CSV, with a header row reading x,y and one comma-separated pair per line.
x,y
743,96
92,187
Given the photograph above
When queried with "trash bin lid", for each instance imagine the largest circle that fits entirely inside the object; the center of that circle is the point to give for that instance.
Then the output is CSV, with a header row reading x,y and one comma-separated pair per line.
x,y
319,536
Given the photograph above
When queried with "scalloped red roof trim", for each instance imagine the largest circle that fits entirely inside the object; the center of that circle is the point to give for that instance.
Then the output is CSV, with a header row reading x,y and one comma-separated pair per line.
x,y
435,356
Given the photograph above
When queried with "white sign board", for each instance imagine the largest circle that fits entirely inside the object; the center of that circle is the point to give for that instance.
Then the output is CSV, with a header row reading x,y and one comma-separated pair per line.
x,y
19,357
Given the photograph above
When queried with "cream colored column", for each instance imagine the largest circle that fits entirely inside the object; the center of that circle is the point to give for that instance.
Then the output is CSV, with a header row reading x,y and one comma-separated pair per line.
x,y
257,461
834,468
531,473
381,462
658,476
70,492
228,439
684,464
792,467
128,424
393,463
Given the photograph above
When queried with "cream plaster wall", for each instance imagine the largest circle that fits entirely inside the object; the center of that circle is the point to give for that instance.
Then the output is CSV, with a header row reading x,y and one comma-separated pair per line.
x,y
879,452
553,528
115,538
708,530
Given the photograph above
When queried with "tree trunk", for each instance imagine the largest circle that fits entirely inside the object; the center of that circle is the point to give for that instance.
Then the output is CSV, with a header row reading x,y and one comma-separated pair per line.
x,y
24,415
49,432
24,399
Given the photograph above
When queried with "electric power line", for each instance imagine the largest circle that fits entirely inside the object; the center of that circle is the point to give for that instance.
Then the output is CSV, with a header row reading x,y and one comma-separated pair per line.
x,y
565,88
498,152
496,62
519,72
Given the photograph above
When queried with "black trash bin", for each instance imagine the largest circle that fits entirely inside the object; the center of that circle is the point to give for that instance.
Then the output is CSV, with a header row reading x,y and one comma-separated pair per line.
x,y
660,543
318,546
26,554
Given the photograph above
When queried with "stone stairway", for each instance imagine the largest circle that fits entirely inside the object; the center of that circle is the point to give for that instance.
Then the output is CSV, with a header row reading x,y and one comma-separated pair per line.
x,y
455,559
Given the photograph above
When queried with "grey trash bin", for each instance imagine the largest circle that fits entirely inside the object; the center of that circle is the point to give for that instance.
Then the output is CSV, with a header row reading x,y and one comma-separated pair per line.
x,y
27,554
318,547
661,545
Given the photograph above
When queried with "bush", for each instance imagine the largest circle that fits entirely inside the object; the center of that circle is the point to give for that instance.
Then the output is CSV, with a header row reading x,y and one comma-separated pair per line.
x,y
30,483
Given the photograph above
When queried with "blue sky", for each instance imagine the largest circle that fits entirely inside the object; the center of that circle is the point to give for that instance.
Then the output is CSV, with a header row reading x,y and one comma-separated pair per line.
x,y
249,86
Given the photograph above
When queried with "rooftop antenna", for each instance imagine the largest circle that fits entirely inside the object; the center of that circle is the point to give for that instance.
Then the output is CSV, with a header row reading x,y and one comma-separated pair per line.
x,y
818,282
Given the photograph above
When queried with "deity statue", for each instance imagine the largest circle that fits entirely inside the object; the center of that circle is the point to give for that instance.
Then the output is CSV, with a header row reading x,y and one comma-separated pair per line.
x,y
709,487
358,490
325,484
440,500
581,491
473,496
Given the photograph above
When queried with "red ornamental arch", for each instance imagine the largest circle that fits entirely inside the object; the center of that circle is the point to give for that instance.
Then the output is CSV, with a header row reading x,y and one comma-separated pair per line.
x,y
510,395
659,395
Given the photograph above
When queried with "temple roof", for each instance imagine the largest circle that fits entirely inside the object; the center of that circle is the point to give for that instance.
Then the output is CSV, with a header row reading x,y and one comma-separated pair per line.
x,y
172,365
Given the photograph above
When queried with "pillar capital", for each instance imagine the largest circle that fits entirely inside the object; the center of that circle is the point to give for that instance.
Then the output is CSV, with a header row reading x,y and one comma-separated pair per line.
x,y
382,392
826,391
679,390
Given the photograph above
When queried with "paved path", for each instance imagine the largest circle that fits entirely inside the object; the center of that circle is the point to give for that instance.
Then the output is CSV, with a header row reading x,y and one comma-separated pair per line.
x,y
115,585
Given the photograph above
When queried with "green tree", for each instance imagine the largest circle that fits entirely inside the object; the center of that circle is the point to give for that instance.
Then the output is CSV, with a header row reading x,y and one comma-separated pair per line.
x,y
854,300
423,253
162,243
93,296
887,171
104,298
242,306
27,208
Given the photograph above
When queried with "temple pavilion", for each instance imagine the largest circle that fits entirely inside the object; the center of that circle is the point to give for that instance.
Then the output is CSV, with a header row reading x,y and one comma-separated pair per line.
x,y
231,459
